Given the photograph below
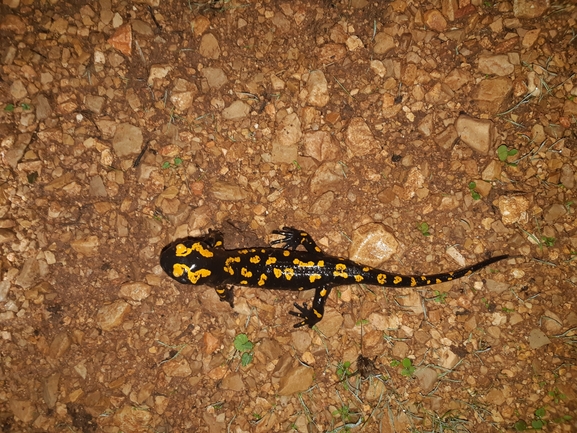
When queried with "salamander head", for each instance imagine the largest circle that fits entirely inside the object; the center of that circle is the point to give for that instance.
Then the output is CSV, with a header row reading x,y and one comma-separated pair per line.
x,y
187,260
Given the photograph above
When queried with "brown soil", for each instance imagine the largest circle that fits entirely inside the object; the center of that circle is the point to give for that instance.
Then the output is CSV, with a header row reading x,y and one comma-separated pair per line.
x,y
104,163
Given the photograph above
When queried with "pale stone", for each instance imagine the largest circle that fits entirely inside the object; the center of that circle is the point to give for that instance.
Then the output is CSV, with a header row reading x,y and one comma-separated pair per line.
x,y
317,87
383,43
297,379
372,244
496,65
359,138
127,140
236,111
513,209
530,8
215,77
491,94
111,316
478,134
435,20
209,47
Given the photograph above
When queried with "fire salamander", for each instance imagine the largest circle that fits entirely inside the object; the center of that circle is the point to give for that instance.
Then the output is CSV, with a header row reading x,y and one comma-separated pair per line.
x,y
205,261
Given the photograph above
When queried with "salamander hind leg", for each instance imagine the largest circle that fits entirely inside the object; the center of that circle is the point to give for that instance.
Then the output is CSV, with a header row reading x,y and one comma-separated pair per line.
x,y
311,316
226,294
293,238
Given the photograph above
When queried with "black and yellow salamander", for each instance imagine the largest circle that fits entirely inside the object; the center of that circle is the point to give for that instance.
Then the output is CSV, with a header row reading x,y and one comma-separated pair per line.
x,y
204,261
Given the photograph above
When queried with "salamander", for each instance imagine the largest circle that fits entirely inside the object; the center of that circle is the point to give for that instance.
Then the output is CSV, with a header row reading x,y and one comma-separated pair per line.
x,y
205,261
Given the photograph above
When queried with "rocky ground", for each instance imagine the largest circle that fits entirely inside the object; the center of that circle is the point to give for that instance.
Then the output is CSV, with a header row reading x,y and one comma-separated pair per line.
x,y
434,134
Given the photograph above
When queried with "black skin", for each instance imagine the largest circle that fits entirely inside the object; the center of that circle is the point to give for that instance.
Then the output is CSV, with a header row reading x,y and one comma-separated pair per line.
x,y
204,261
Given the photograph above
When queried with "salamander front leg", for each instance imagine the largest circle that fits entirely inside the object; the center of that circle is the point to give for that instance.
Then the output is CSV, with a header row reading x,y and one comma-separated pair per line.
x,y
214,239
293,238
226,294
312,316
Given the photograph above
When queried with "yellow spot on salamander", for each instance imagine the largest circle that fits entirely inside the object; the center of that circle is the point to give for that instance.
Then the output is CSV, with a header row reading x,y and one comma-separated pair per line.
x,y
220,291
255,259
182,251
397,279
286,253
244,282
323,293
245,273
413,282
321,263
270,261
366,269
289,273
314,277
227,262
317,249
438,281
232,259
262,280
178,269
218,243
319,315
340,266
193,277
229,270
359,278
277,272
340,274
243,252
303,264
382,278
253,250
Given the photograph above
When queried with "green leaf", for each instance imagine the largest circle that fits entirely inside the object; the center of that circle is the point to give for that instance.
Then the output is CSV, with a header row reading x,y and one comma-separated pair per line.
x,y
502,153
165,165
540,413
177,161
537,424
9,108
406,362
246,358
520,425
25,106
242,343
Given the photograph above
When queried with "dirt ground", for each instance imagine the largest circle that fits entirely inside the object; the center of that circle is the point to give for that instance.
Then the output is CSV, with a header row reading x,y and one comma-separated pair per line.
x,y
448,124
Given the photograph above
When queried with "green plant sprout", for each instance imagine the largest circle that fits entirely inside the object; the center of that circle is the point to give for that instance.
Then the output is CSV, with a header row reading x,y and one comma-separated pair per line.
x,y
344,370
557,395
245,346
424,229
503,152
474,194
536,424
407,366
440,297
344,412
168,164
